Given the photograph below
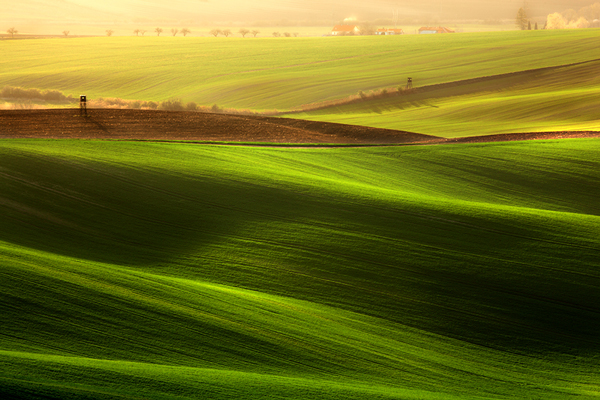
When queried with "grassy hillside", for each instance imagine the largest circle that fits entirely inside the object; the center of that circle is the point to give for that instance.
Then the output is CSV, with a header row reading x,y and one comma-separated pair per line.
x,y
287,73
541,100
278,73
138,270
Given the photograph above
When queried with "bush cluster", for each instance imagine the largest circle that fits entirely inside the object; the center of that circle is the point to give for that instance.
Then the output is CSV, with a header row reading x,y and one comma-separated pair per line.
x,y
11,92
360,96
112,102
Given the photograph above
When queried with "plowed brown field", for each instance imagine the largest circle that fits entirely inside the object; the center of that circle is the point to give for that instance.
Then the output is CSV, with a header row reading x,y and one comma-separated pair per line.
x,y
207,127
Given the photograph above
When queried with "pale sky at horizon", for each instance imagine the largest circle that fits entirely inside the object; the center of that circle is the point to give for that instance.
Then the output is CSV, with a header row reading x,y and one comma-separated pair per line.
x,y
208,11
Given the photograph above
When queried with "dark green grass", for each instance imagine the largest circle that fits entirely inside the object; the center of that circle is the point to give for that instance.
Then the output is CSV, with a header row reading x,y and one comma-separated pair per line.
x,y
142,270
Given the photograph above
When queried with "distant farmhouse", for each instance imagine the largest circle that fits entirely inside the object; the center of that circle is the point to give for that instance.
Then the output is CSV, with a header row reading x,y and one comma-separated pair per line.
x,y
438,29
345,30
392,31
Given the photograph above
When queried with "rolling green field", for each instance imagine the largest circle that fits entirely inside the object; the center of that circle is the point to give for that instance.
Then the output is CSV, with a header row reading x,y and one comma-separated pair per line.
x,y
174,271
554,99
287,73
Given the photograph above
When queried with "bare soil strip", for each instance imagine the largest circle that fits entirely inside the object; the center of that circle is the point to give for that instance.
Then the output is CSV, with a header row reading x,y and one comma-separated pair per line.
x,y
119,124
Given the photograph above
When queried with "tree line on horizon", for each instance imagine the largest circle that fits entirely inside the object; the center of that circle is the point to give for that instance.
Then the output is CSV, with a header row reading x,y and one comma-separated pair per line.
x,y
586,17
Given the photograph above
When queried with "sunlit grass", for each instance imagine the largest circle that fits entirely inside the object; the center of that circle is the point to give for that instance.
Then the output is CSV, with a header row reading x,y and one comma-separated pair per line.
x,y
278,73
188,271
561,99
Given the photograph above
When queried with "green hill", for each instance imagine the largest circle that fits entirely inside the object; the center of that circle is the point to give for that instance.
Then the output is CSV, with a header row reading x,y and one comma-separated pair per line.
x,y
540,100
157,271
547,87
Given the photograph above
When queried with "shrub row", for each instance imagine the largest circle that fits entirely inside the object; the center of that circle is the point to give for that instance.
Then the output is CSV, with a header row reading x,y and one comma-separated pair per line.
x,y
361,96
168,105
11,92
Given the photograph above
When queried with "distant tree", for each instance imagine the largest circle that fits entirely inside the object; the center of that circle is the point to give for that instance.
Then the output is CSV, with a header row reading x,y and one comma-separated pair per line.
x,y
255,32
66,33
595,11
555,21
174,31
296,34
522,19
367,28
143,32
171,105
215,32
528,25
137,32
109,32
287,34
12,32
243,32
191,106
226,32
185,31
276,34
570,15
536,26
158,31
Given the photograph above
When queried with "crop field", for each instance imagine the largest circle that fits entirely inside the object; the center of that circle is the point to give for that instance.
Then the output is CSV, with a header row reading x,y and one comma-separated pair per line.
x,y
175,271
554,99
288,73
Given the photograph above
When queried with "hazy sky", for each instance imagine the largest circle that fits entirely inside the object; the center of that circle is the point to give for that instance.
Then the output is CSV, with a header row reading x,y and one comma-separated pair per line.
x,y
236,11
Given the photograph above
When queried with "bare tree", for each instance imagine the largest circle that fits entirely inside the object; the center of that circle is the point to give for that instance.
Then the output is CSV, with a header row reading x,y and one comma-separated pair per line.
x,y
142,32
287,34
522,19
296,34
158,31
590,12
109,32
174,31
226,32
12,32
243,32
570,15
66,33
215,32
137,32
367,28
255,32
185,31
276,34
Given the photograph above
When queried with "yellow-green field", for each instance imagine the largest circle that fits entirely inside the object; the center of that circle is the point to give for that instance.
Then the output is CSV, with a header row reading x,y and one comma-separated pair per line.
x,y
554,99
287,73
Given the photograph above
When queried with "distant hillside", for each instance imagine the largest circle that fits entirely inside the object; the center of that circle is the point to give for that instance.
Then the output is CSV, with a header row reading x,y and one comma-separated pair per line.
x,y
545,99
490,82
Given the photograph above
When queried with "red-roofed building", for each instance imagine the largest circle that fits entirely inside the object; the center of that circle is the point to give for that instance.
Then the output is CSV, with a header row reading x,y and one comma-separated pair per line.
x,y
391,31
343,30
437,29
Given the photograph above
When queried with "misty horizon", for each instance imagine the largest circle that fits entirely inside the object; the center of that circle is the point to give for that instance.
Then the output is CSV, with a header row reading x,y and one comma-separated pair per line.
x,y
37,16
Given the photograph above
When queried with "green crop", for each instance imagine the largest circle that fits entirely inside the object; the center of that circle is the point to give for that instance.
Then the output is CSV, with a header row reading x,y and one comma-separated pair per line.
x,y
542,100
164,270
528,80
278,73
